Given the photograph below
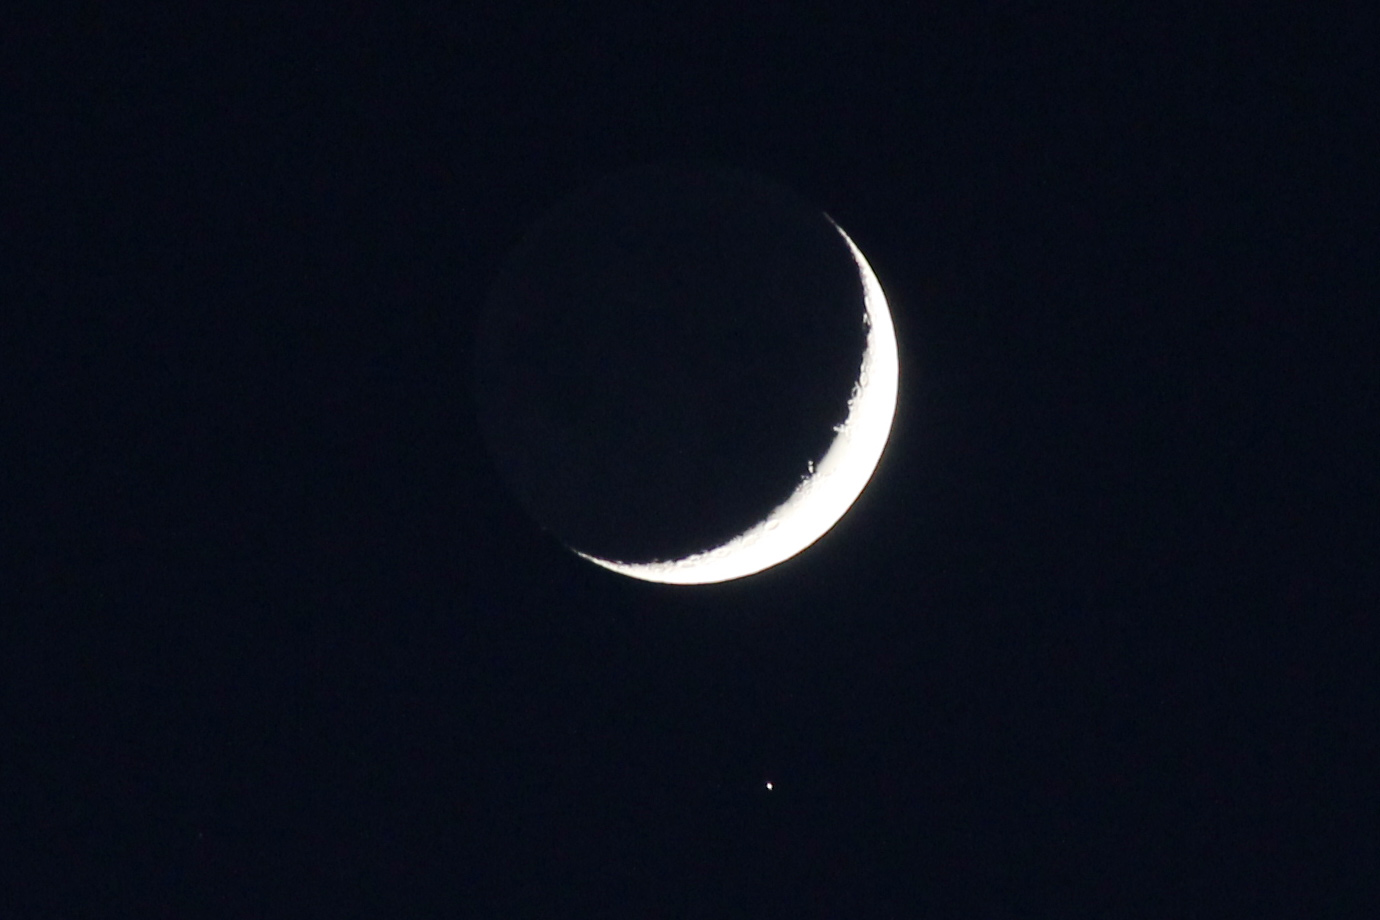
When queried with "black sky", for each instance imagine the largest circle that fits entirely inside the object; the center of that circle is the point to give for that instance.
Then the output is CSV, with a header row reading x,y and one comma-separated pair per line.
x,y
1095,642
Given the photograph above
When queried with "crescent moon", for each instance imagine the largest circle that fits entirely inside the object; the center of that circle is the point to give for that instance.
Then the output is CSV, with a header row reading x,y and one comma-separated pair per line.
x,y
834,484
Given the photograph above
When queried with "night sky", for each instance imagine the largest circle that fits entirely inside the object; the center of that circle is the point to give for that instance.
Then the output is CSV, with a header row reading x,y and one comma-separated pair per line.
x,y
279,641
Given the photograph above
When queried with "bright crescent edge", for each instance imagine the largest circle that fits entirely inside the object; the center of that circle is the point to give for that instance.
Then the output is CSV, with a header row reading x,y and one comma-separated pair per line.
x,y
821,499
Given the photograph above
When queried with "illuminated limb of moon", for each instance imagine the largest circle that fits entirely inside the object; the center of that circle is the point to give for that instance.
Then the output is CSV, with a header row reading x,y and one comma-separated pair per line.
x,y
825,495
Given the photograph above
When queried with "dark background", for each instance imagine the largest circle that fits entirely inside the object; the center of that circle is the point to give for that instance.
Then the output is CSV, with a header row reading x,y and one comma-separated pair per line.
x,y
1095,642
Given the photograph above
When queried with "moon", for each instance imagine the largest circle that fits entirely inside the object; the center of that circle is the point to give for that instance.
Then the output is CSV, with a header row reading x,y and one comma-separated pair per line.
x,y
833,485
685,373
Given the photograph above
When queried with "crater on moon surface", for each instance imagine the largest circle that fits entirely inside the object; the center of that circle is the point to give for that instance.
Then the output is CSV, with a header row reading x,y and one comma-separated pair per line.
x,y
664,355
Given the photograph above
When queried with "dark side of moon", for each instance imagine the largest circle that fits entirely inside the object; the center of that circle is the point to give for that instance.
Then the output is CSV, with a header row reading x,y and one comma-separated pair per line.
x,y
663,357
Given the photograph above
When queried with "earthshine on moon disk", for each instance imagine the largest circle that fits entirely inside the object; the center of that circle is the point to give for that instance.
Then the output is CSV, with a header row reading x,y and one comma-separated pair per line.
x,y
834,484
